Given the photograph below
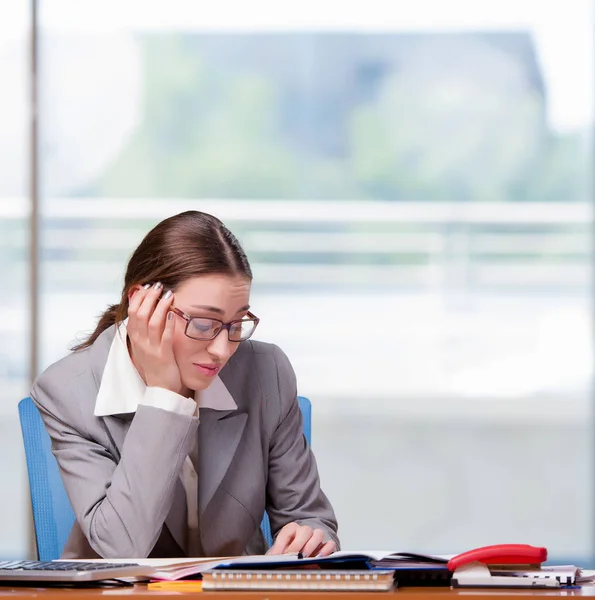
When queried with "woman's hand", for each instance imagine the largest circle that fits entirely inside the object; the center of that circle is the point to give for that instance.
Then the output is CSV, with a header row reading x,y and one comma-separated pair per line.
x,y
150,331
301,538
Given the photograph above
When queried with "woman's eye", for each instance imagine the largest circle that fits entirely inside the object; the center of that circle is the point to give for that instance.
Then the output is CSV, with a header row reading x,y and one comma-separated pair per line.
x,y
202,325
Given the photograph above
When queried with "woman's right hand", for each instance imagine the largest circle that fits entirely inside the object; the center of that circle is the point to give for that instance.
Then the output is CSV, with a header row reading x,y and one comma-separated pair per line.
x,y
150,331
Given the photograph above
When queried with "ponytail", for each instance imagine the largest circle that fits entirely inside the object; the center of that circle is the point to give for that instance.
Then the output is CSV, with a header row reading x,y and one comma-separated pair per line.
x,y
110,317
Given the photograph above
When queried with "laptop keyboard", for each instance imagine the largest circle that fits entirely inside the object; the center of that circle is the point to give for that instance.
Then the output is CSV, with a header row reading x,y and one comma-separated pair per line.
x,y
36,565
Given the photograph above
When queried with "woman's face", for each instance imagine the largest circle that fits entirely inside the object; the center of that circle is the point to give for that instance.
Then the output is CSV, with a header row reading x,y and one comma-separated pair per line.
x,y
222,297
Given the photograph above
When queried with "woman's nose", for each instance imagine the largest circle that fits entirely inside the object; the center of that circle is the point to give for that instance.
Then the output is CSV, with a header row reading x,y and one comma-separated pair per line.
x,y
220,346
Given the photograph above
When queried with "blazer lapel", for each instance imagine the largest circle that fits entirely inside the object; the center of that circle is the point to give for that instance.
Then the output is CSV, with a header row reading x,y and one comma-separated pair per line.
x,y
219,434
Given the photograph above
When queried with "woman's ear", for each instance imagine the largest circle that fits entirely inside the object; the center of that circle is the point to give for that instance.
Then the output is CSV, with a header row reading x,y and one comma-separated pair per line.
x,y
134,289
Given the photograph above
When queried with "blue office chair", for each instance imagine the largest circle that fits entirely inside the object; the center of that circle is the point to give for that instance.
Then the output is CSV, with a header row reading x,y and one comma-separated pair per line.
x,y
52,514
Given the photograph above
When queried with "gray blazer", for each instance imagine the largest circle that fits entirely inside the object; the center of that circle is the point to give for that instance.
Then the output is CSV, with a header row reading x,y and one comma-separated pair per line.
x,y
121,472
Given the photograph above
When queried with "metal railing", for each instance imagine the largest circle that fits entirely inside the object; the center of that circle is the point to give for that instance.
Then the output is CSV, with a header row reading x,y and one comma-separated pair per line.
x,y
86,241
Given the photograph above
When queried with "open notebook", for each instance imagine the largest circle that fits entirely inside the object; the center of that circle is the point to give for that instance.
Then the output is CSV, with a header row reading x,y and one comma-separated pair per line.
x,y
177,568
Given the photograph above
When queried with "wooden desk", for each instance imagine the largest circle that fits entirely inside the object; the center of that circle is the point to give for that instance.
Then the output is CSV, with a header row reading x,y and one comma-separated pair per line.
x,y
140,592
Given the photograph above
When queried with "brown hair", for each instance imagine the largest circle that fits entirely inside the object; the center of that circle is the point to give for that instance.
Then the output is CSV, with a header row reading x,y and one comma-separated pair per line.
x,y
186,245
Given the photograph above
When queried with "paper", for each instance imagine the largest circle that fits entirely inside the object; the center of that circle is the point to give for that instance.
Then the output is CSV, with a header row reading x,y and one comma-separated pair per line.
x,y
178,571
585,576
171,569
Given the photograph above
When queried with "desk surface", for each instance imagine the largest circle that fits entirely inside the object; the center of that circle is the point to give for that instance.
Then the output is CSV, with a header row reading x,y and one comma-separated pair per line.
x,y
140,592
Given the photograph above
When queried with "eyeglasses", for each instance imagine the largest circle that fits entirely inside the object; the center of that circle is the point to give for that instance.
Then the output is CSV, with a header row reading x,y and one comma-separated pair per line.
x,y
200,328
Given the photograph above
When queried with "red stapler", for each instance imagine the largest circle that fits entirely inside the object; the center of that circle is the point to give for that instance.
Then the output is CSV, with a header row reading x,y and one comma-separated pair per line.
x,y
501,554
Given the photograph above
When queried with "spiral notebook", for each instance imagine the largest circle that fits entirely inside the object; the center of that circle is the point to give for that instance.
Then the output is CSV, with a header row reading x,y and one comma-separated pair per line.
x,y
321,580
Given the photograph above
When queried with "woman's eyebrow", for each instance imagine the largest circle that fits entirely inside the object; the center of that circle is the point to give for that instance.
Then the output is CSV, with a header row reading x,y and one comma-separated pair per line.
x,y
218,310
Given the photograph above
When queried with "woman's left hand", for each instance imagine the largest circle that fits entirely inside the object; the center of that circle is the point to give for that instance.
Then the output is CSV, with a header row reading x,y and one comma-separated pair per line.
x,y
301,538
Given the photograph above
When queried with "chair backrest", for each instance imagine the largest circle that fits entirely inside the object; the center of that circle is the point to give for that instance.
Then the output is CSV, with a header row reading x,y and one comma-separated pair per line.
x,y
52,514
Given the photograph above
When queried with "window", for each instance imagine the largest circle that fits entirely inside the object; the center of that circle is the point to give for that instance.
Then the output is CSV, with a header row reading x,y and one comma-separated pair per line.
x,y
418,191
14,255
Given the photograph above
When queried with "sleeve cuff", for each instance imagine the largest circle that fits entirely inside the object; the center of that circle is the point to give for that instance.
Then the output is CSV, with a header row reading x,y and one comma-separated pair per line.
x,y
168,400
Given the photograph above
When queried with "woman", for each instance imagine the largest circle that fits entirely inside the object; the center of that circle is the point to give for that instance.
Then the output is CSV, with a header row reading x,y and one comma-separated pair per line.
x,y
173,432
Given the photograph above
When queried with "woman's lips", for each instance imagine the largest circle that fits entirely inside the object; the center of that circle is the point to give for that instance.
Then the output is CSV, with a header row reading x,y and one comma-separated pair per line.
x,y
210,370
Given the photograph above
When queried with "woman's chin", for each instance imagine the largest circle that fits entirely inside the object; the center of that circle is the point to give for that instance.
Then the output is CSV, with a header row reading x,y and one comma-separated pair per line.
x,y
196,383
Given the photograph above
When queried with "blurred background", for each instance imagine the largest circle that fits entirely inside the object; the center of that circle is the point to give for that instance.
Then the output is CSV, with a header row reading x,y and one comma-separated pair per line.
x,y
413,184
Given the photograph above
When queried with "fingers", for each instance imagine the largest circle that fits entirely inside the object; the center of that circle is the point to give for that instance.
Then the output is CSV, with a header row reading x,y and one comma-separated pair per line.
x,y
294,538
136,297
283,539
168,332
326,549
156,325
146,308
150,329
311,546
147,312
140,308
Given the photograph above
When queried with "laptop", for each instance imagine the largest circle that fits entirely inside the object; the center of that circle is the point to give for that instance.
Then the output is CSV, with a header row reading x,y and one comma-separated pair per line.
x,y
67,571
